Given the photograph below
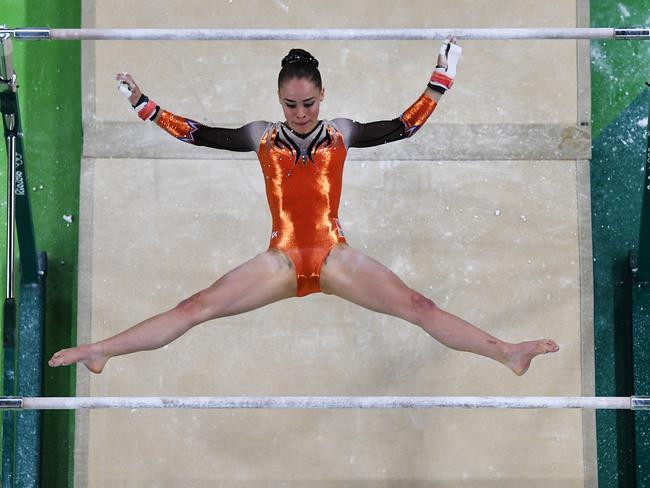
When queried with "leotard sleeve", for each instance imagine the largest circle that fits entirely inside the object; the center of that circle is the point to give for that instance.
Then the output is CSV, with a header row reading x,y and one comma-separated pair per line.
x,y
370,134
242,139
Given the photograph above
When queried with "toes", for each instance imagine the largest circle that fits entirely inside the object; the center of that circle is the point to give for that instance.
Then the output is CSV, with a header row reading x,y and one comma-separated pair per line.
x,y
57,360
552,345
545,346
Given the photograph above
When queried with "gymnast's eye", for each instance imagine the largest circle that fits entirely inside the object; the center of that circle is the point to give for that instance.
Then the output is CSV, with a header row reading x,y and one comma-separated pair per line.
x,y
291,105
309,104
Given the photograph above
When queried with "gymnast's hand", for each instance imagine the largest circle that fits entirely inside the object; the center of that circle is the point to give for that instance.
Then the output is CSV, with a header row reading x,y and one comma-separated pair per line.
x,y
128,87
448,56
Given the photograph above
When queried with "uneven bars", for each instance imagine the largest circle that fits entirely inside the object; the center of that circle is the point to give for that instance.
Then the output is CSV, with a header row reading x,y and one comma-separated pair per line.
x,y
322,402
29,33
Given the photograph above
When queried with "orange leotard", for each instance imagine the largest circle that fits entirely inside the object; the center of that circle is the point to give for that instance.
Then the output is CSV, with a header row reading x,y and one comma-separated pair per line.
x,y
303,175
303,192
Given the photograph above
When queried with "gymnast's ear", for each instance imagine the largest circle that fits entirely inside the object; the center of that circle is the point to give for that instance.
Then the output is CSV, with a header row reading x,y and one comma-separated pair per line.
x,y
322,94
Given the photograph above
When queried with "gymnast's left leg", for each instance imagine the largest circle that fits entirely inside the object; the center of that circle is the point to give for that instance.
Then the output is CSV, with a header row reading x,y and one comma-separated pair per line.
x,y
352,275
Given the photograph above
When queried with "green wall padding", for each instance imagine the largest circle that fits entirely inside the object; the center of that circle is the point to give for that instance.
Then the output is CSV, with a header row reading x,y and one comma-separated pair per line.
x,y
619,117
616,189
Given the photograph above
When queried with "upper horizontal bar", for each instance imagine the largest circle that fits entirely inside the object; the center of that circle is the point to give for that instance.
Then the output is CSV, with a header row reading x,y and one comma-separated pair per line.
x,y
322,402
325,34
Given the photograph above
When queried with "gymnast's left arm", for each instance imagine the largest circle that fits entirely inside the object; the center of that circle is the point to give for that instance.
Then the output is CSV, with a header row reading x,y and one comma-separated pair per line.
x,y
376,133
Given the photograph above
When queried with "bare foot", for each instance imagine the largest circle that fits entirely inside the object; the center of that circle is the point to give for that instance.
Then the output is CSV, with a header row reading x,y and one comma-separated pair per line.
x,y
519,356
91,355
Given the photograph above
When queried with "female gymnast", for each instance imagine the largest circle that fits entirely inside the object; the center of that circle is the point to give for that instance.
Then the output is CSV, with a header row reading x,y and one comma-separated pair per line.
x,y
302,163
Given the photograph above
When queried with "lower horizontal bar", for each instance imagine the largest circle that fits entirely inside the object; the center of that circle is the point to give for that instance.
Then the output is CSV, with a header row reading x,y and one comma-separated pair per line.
x,y
327,34
323,402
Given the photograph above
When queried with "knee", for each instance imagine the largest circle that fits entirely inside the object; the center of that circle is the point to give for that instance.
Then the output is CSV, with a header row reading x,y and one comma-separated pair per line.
x,y
194,307
419,305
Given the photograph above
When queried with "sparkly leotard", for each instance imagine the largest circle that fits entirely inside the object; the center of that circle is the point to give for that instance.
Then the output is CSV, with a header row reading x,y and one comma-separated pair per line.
x,y
303,175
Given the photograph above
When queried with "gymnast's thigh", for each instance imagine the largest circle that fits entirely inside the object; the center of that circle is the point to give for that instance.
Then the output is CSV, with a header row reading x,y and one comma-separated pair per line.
x,y
264,279
350,274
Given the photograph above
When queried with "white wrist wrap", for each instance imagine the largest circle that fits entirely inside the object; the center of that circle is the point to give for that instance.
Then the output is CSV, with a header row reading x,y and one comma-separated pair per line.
x,y
453,52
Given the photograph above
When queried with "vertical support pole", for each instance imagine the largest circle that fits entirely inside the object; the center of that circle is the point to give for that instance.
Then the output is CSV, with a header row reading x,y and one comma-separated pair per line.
x,y
8,85
23,344
13,130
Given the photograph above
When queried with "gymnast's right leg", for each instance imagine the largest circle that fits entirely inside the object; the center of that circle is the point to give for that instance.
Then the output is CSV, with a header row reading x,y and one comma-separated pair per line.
x,y
265,279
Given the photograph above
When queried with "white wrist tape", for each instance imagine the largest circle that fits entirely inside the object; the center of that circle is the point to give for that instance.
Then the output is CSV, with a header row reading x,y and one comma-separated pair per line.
x,y
123,86
124,89
452,52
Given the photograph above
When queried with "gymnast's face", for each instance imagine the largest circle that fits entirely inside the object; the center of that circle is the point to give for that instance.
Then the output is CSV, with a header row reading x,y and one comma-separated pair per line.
x,y
300,99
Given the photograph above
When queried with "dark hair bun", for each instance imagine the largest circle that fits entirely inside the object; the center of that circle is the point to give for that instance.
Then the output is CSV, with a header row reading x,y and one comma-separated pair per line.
x,y
299,64
299,56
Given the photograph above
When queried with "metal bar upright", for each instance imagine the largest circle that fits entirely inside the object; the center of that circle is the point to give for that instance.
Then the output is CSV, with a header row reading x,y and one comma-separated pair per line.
x,y
23,345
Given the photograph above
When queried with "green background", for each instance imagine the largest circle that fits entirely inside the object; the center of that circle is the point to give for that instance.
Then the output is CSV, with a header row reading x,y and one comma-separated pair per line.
x,y
618,68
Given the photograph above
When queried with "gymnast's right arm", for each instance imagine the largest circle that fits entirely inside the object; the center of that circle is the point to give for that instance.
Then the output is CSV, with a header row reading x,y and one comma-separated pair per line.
x,y
242,139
